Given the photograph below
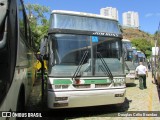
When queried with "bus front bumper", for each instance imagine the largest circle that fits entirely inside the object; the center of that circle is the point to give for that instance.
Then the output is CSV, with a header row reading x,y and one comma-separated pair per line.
x,y
84,98
130,78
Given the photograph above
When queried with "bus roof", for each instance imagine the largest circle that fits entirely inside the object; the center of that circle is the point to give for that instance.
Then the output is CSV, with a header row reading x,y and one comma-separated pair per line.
x,y
80,14
134,48
138,51
126,40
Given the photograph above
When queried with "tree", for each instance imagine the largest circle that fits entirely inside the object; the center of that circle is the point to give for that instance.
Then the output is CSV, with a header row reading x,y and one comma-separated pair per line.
x,y
39,23
143,45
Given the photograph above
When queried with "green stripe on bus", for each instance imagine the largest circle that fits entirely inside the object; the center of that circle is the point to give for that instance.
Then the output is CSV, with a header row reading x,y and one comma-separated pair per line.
x,y
97,81
62,81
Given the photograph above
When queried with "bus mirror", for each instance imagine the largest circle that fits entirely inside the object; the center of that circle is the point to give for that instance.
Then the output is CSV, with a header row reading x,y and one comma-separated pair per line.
x,y
43,45
4,38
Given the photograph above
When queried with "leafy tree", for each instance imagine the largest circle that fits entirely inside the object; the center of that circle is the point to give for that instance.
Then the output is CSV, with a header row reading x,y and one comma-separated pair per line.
x,y
39,23
143,45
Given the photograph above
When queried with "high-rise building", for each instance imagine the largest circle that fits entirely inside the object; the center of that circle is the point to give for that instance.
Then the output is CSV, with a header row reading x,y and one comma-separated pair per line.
x,y
130,19
109,12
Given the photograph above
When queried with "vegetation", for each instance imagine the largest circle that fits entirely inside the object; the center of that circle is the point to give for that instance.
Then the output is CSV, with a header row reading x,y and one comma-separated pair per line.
x,y
143,45
38,16
143,41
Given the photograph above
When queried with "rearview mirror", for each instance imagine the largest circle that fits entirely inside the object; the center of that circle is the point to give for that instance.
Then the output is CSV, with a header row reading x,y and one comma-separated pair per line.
x,y
43,48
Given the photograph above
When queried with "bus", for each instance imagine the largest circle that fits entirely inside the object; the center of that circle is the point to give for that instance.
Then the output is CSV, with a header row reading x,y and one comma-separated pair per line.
x,y
17,72
128,51
155,65
85,60
155,59
135,57
129,65
141,56
144,58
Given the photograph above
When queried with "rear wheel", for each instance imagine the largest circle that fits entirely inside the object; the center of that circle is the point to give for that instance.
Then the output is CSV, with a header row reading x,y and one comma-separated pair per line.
x,y
21,103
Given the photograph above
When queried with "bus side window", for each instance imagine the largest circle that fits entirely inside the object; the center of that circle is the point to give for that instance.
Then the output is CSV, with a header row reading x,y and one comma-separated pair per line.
x,y
22,20
29,35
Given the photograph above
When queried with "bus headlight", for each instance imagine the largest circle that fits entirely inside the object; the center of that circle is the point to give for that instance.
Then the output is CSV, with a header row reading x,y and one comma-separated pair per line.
x,y
50,86
61,86
57,86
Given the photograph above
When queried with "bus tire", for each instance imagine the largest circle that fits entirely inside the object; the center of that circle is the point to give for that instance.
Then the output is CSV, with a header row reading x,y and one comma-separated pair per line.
x,y
21,102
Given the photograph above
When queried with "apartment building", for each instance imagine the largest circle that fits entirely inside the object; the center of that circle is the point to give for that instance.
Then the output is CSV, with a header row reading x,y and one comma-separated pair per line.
x,y
130,19
109,12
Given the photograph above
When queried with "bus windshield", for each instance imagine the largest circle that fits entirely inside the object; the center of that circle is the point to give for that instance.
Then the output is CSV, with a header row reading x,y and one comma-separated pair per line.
x,y
134,52
71,22
140,54
127,44
135,56
68,51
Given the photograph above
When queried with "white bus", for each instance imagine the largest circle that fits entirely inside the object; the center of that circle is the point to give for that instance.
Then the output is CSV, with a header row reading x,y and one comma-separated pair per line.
x,y
155,64
129,64
16,57
141,57
135,56
85,62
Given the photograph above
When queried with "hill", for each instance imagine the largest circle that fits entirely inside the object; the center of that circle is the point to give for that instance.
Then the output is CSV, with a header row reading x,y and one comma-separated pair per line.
x,y
130,33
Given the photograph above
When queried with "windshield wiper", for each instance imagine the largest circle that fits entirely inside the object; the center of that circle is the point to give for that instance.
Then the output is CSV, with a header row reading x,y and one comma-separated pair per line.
x,y
105,68
80,64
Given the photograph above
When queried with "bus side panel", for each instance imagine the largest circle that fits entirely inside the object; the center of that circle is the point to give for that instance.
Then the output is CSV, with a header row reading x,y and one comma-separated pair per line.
x,y
20,60
10,58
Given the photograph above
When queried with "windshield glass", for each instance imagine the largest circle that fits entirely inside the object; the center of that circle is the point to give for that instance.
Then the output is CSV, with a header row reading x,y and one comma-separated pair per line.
x,y
130,65
140,54
143,55
134,52
76,22
135,56
130,55
127,44
68,52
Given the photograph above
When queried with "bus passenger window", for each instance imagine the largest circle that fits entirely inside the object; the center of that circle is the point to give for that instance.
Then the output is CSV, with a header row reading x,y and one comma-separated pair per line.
x,y
21,19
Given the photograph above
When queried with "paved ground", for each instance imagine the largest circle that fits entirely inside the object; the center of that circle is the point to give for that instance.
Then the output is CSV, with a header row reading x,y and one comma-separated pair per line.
x,y
144,100
137,103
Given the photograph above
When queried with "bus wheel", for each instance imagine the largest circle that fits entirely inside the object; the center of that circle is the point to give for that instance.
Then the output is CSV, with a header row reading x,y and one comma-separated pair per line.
x,y
158,85
21,102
